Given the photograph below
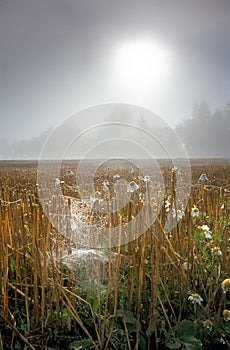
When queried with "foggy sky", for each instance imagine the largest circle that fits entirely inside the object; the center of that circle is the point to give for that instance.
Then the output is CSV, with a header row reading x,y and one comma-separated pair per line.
x,y
55,57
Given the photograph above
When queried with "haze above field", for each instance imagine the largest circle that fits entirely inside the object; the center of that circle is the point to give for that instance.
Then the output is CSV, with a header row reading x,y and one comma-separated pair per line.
x,y
58,57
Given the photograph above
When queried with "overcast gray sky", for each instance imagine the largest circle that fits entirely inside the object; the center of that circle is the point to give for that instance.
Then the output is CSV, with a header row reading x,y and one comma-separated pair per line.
x,y
61,56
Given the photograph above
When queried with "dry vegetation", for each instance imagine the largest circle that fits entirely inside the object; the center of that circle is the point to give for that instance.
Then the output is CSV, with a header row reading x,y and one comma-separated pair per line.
x,y
162,290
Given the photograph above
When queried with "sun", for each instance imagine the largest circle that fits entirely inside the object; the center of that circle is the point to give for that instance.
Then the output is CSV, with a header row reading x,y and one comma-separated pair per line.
x,y
141,63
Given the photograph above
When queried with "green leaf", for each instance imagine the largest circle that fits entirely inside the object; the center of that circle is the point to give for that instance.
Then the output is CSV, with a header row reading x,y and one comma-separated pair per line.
x,y
12,263
186,328
131,327
95,306
192,343
128,316
142,344
78,344
173,345
150,329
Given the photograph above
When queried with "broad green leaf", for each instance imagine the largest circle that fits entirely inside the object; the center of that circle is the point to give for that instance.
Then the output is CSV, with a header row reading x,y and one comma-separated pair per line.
x,y
128,315
197,346
192,343
186,328
81,344
173,345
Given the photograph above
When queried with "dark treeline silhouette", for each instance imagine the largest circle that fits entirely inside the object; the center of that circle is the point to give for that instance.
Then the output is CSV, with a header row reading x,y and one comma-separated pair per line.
x,y
206,134
23,149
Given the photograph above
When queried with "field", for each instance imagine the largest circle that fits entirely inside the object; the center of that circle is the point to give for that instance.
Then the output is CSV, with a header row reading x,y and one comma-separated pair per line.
x,y
98,278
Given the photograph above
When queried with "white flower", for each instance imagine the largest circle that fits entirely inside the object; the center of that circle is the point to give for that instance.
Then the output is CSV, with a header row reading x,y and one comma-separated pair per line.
x,y
105,182
226,286
206,231
195,212
167,205
207,235
105,188
195,298
146,178
57,182
203,177
208,324
131,170
176,170
226,315
132,186
216,250
178,214
141,196
186,265
222,341
116,176
205,228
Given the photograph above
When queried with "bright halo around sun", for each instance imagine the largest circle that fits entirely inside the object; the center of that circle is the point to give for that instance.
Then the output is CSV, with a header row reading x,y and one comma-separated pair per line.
x,y
141,64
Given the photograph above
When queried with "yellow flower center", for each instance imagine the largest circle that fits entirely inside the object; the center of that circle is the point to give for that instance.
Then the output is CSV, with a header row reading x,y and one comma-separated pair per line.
x,y
196,295
226,283
208,322
226,313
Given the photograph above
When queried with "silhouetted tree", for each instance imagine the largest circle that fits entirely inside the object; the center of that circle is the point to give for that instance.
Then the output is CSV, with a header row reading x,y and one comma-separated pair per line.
x,y
206,134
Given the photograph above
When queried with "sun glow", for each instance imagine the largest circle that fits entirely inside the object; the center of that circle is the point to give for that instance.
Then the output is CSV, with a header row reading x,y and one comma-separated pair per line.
x,y
140,64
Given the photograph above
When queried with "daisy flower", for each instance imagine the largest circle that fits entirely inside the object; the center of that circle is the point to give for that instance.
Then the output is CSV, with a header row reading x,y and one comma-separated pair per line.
x,y
216,250
207,235
186,265
58,182
131,170
132,186
222,341
208,324
226,315
203,177
206,231
105,182
205,228
167,205
226,285
146,178
105,188
195,298
179,213
195,212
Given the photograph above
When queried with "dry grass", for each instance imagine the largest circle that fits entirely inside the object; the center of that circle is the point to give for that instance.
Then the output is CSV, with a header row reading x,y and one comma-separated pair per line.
x,y
137,292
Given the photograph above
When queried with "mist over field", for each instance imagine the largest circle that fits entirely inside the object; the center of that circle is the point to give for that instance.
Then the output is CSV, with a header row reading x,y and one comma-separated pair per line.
x,y
205,135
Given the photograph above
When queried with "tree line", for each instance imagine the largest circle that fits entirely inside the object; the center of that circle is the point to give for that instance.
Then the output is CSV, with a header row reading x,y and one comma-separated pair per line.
x,y
205,134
